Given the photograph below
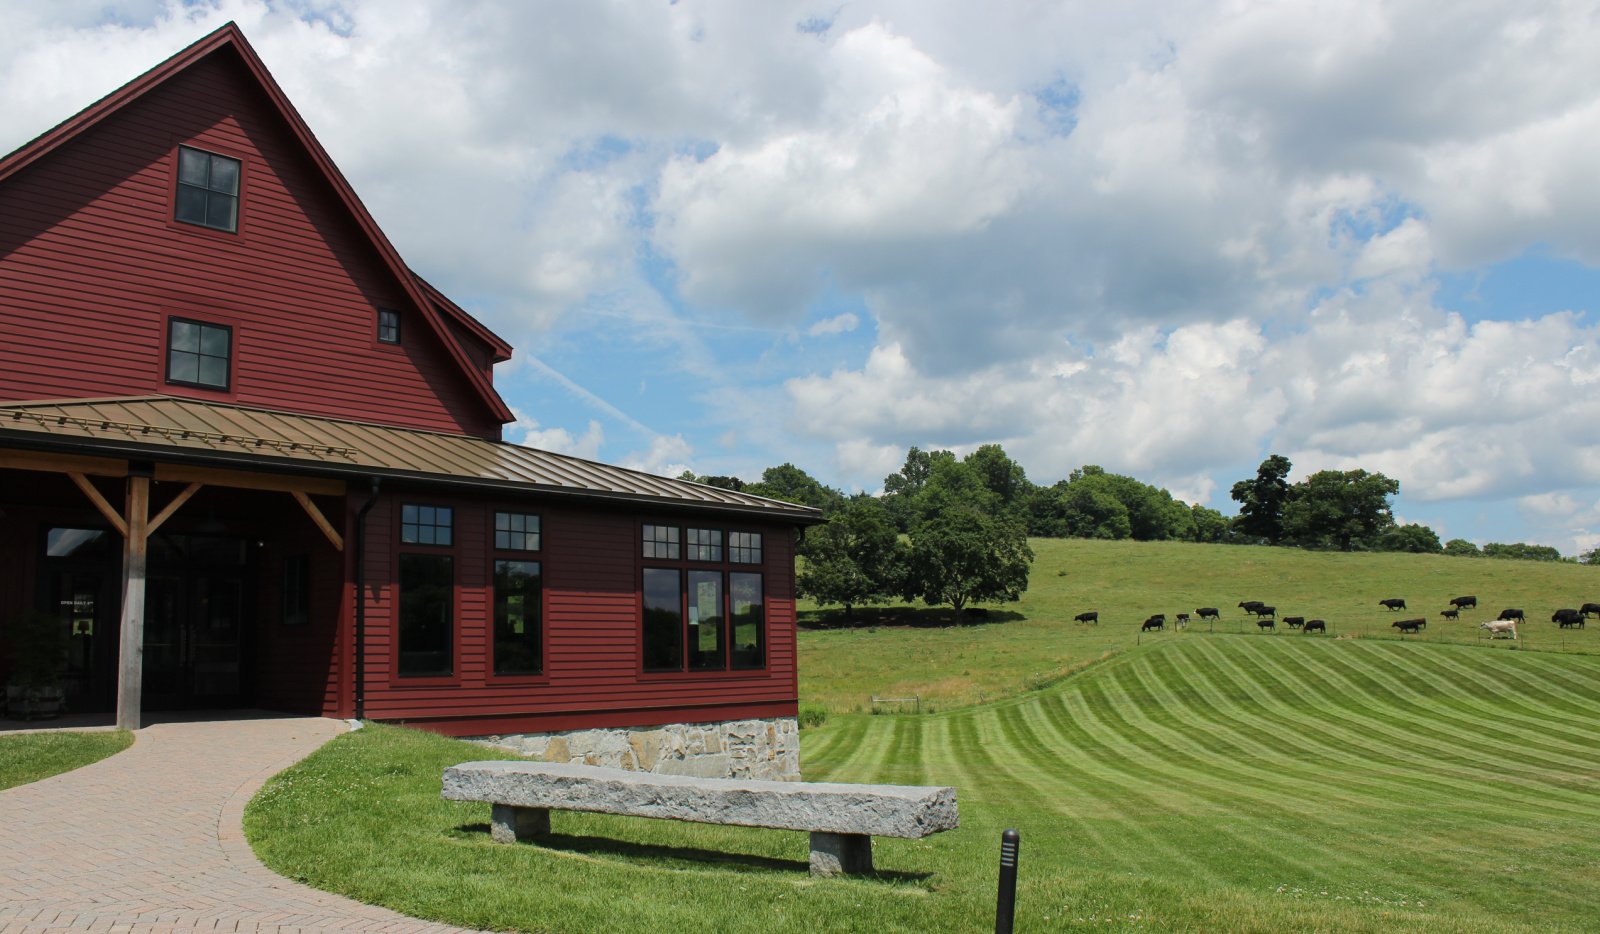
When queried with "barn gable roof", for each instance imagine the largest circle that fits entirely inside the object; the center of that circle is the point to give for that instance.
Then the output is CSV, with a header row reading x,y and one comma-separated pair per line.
x,y
430,304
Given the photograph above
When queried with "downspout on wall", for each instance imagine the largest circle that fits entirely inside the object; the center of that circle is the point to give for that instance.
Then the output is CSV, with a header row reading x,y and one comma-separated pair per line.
x,y
361,601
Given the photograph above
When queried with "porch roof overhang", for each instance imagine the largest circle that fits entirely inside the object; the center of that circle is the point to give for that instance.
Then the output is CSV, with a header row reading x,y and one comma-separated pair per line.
x,y
172,430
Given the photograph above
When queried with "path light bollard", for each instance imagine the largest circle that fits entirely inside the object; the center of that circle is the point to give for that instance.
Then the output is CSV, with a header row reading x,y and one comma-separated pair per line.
x,y
1005,909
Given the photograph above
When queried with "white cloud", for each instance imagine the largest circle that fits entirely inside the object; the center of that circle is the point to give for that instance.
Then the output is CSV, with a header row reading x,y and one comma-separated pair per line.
x,y
838,324
667,456
526,431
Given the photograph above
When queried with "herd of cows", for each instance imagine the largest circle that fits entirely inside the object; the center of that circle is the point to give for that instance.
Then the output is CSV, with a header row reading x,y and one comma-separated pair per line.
x,y
1266,617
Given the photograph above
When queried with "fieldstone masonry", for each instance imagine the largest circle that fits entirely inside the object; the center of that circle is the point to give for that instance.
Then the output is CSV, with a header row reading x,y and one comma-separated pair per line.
x,y
768,750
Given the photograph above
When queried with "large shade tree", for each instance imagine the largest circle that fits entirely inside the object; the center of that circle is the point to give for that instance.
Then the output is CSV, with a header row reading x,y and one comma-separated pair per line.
x,y
1344,509
1262,500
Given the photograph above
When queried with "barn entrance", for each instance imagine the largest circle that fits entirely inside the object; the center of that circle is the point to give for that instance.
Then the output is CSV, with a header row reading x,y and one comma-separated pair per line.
x,y
198,617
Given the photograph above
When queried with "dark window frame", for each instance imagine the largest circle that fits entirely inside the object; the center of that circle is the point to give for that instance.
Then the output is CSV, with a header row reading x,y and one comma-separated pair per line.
x,y
452,640
683,568
200,355
389,327
448,526
540,650
736,550
511,532
206,191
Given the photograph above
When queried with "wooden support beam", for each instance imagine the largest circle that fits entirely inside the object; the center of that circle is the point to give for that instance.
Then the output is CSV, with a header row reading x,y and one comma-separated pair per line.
x,y
321,520
63,463
100,503
130,658
172,507
248,480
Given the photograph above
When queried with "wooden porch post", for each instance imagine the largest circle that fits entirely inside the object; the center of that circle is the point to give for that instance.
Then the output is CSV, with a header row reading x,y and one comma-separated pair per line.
x,y
130,676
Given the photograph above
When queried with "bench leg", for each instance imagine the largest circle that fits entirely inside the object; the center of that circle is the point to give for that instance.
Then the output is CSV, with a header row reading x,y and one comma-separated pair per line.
x,y
509,823
835,853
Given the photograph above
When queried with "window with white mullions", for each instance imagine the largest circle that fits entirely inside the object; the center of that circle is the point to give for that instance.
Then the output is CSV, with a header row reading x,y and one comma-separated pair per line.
x,y
208,189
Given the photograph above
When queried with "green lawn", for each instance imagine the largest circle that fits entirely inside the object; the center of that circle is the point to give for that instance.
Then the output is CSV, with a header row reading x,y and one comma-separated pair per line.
x,y
28,757
1031,642
1197,782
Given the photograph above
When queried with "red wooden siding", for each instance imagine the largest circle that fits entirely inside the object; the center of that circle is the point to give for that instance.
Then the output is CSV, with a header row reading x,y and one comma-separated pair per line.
x,y
296,667
591,601
92,263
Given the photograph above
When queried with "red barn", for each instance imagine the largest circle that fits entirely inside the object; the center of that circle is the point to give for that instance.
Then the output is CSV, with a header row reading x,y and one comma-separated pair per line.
x,y
250,458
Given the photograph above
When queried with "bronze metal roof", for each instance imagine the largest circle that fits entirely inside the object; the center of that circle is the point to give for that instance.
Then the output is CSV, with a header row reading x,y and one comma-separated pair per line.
x,y
170,428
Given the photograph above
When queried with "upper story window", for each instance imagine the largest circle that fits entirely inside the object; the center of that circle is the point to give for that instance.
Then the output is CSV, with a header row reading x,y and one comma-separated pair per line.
x,y
705,545
744,547
661,541
388,326
516,531
198,353
208,189
426,525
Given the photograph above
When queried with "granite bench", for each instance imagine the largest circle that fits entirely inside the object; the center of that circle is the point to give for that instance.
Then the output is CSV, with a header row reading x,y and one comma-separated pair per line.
x,y
842,819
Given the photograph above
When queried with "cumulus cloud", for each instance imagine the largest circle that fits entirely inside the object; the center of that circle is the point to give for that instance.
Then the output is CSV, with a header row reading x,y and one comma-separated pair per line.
x,y
838,324
667,456
526,431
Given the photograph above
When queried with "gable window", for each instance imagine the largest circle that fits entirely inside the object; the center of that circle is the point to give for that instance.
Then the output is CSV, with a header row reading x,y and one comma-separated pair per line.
x,y
744,547
208,189
705,544
426,525
516,531
388,326
198,353
661,541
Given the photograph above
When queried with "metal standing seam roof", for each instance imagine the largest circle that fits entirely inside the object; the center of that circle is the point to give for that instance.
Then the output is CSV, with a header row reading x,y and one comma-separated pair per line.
x,y
227,435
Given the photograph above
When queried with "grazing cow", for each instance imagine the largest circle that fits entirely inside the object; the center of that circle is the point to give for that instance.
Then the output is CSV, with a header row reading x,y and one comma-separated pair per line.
x,y
1590,609
1315,625
1266,610
1462,603
1183,620
1500,627
1266,622
1450,614
1158,621
1251,606
1512,613
1294,622
1208,612
1393,603
1410,625
1093,616
1568,618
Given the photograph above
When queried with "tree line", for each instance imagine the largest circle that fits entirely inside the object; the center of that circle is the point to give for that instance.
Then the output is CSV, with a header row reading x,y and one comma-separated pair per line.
x,y
949,530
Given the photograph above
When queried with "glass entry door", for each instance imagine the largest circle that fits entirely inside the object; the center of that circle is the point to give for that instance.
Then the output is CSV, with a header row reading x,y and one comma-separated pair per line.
x,y
195,624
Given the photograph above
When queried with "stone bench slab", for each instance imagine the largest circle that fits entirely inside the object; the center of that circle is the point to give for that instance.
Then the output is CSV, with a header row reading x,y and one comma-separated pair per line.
x,y
907,811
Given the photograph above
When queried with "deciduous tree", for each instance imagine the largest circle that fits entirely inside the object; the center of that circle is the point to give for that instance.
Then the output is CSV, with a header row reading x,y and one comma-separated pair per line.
x,y
1339,508
1262,500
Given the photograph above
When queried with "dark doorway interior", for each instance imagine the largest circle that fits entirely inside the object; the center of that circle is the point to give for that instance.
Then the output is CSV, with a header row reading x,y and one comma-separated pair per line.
x,y
198,618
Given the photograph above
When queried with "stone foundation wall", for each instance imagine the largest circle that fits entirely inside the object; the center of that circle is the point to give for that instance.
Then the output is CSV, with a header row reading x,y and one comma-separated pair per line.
x,y
759,749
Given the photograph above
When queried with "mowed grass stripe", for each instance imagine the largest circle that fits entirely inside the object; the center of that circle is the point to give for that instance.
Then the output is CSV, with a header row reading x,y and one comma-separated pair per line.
x,y
1546,701
1479,729
1146,776
1472,761
1339,736
1395,667
1446,736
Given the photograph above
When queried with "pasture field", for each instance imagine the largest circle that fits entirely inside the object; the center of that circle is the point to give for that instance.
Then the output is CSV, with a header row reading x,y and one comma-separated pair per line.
x,y
907,650
1204,782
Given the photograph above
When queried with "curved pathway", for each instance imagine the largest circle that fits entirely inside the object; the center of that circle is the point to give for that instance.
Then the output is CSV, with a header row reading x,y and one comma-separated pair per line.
x,y
151,840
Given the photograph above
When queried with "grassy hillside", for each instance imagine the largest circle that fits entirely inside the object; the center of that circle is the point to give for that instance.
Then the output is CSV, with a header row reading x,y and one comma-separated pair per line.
x,y
1032,642
1213,782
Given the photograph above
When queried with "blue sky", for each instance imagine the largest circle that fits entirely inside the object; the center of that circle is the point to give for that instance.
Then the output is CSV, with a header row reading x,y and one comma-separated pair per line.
x,y
1162,237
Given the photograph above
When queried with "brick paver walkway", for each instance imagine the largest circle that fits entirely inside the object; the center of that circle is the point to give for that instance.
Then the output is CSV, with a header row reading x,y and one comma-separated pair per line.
x,y
150,840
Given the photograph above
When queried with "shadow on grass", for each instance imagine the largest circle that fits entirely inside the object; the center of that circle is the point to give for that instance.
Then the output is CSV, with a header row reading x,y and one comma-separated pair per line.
x,y
658,856
910,617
